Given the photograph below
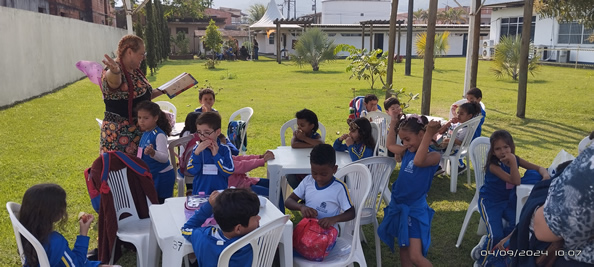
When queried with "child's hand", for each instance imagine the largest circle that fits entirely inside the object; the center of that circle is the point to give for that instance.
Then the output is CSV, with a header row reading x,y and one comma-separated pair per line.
x,y
202,146
444,143
214,148
308,212
85,223
212,197
509,160
299,134
349,141
432,127
327,222
149,150
343,137
454,120
268,155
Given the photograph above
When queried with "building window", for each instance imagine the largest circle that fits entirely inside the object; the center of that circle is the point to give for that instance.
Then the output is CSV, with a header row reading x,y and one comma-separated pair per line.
x,y
41,10
513,27
178,30
271,37
574,33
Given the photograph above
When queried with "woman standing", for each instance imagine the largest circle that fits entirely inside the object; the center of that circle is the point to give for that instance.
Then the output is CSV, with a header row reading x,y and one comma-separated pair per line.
x,y
121,76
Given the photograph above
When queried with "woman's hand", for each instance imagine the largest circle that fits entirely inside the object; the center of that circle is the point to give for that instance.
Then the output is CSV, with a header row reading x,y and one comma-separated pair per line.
x,y
113,67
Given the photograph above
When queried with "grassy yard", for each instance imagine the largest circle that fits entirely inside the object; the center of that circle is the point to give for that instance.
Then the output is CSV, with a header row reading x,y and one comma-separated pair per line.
x,y
55,137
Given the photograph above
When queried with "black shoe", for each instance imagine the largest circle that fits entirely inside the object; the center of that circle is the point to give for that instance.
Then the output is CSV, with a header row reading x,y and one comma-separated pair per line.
x,y
439,171
93,255
461,168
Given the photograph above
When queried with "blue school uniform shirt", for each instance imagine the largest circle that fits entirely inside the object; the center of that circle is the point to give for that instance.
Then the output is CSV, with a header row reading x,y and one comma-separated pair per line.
x,y
494,188
210,182
59,253
479,130
200,110
409,194
150,138
356,151
209,242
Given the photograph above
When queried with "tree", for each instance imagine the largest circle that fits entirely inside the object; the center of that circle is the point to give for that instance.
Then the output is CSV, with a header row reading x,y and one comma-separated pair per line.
x,y
213,39
420,15
161,22
187,8
441,44
182,43
256,12
507,58
567,10
151,53
138,29
313,47
370,66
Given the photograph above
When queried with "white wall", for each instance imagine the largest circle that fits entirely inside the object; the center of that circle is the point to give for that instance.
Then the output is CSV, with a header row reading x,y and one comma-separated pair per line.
x,y
39,51
353,12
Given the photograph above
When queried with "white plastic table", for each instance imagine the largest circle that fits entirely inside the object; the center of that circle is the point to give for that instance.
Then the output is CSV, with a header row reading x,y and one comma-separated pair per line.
x,y
522,193
167,220
176,131
289,160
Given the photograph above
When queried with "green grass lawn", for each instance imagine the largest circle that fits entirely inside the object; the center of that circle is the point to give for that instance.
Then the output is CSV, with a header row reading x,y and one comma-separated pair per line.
x,y
55,137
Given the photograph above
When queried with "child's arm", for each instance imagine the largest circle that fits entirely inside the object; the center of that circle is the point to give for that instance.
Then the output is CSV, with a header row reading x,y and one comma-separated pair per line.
x,y
307,142
343,217
423,157
513,177
223,160
246,165
161,154
391,140
306,212
531,166
444,127
199,216
195,162
338,145
234,150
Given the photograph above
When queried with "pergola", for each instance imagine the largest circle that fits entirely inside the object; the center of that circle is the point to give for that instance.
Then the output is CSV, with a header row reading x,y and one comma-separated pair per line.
x,y
303,22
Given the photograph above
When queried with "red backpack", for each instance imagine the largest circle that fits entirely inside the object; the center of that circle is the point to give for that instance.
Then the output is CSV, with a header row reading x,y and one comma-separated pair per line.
x,y
312,241
185,158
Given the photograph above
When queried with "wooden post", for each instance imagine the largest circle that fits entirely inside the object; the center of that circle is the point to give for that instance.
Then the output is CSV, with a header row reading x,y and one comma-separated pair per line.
x,y
409,39
470,55
476,48
399,35
371,36
391,45
128,9
428,67
524,51
277,36
362,36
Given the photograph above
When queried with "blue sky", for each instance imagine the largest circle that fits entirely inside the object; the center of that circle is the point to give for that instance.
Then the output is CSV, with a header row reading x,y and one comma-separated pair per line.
x,y
305,6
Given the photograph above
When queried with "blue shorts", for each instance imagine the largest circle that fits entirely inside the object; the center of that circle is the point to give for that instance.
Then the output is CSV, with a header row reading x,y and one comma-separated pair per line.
x,y
414,228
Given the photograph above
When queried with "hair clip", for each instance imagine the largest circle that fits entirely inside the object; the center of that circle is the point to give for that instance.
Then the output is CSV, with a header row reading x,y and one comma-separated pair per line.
x,y
353,126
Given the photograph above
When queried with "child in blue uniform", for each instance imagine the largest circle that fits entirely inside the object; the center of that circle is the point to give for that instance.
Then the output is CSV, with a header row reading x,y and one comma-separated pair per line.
x,y
358,142
408,216
211,162
236,212
153,147
43,206
495,197
207,100
475,95
306,135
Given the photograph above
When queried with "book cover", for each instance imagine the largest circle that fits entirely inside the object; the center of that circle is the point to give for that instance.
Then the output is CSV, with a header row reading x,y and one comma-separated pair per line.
x,y
178,85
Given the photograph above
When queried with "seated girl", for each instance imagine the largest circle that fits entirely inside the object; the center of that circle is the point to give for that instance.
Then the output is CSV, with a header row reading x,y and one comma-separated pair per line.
x,y
358,142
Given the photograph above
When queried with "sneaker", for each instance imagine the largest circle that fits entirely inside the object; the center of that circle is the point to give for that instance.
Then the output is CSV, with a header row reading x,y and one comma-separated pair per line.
x,y
475,254
461,168
439,171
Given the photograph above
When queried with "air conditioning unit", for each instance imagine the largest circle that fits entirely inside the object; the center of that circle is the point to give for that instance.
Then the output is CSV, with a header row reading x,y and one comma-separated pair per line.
x,y
487,49
542,52
563,56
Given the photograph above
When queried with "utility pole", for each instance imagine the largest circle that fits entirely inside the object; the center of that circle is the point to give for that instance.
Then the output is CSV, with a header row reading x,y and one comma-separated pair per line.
x,y
428,58
391,45
409,25
524,50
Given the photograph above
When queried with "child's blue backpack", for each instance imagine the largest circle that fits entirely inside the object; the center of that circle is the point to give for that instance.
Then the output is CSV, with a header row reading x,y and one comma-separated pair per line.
x,y
235,130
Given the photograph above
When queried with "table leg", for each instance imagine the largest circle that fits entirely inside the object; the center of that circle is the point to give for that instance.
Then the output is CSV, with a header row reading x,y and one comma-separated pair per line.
x,y
273,173
153,249
286,245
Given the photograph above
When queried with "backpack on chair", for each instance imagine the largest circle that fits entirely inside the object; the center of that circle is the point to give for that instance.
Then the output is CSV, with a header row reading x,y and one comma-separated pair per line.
x,y
235,130
184,158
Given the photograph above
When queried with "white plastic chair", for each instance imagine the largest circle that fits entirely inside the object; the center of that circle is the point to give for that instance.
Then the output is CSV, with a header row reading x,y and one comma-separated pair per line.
x,y
245,115
19,229
173,156
131,229
375,134
100,122
381,169
292,124
170,108
359,185
264,241
457,104
378,115
450,162
478,156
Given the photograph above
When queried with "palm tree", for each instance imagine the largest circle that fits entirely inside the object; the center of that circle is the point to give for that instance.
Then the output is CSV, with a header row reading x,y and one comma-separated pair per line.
x,y
420,15
442,44
313,47
507,58
256,12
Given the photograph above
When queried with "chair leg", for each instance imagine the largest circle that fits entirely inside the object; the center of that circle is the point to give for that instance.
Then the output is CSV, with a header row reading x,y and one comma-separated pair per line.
x,y
467,170
453,175
378,247
464,226
362,234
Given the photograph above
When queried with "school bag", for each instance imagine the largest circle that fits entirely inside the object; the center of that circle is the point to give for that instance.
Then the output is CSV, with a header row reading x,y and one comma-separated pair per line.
x,y
185,157
95,193
235,130
354,111
312,241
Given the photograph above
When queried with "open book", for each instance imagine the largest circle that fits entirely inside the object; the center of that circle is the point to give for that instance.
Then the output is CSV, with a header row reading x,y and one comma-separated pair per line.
x,y
178,84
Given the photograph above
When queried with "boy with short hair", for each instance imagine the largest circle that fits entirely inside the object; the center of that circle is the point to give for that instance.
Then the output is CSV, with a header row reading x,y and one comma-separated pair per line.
x,y
326,198
392,106
475,95
207,100
211,162
236,212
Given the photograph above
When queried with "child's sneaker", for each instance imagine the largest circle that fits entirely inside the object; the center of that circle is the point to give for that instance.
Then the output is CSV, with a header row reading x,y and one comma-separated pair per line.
x,y
461,168
475,254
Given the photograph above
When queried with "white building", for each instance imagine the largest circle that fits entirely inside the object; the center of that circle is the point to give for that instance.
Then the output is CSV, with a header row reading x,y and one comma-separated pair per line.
x,y
560,42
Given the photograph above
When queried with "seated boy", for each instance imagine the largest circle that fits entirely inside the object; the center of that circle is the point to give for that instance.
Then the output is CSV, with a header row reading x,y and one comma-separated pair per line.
x,y
326,198
392,107
366,105
236,212
475,95
207,100
211,162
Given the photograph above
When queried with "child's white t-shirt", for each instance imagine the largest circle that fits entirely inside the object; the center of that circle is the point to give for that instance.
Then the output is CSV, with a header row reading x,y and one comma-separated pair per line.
x,y
329,201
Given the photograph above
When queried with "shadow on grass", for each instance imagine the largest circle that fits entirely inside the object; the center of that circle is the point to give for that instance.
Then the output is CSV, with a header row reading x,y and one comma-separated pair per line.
x,y
319,72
